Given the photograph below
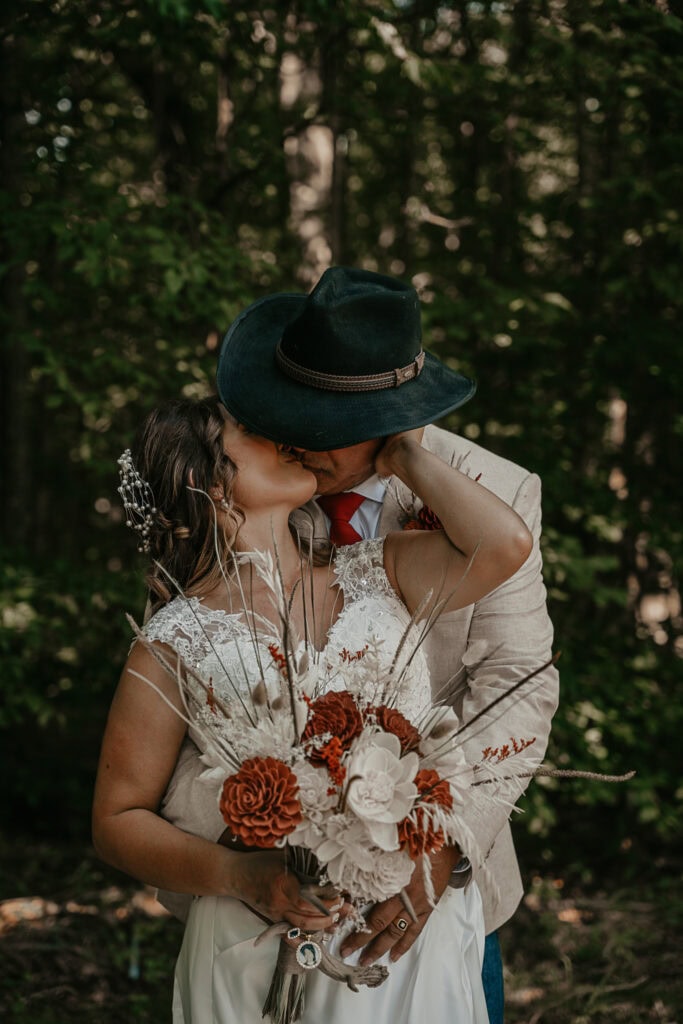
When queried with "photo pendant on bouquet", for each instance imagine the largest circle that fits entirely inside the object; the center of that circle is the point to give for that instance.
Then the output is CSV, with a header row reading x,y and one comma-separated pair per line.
x,y
309,955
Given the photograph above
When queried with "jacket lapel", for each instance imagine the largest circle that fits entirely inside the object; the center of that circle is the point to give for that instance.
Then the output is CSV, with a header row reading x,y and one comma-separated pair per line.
x,y
309,522
396,505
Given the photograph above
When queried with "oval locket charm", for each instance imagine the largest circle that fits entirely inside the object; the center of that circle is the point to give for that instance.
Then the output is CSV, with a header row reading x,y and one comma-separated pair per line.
x,y
309,954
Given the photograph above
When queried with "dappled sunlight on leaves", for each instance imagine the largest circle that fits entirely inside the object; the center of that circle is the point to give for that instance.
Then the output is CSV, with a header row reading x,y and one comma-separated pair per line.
x,y
169,163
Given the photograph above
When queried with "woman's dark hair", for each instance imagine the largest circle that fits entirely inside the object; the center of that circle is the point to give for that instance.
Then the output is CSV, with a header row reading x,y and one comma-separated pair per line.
x,y
179,452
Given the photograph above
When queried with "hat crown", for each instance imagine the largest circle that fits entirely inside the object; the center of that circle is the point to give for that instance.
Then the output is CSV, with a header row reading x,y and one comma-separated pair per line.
x,y
336,367
355,322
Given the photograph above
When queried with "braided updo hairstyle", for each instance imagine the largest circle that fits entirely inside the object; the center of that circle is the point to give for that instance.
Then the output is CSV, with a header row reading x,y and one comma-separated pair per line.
x,y
179,452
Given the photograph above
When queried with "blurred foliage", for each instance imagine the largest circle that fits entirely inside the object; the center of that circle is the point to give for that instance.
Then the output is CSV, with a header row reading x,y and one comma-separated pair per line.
x,y
165,162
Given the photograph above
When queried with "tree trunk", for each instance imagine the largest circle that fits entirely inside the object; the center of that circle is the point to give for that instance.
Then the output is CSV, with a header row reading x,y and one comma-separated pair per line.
x,y
15,444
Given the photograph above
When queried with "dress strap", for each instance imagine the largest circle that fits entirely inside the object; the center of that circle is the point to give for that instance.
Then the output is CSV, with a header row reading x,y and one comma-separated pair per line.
x,y
189,628
359,570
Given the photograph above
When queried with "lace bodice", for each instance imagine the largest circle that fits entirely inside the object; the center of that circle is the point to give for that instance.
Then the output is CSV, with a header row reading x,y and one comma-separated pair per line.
x,y
222,647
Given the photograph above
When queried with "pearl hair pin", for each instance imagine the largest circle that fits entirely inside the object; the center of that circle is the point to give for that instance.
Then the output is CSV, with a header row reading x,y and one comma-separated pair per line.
x,y
138,500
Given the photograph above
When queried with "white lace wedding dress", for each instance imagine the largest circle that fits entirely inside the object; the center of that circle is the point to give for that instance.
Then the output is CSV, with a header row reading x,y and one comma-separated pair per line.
x,y
221,977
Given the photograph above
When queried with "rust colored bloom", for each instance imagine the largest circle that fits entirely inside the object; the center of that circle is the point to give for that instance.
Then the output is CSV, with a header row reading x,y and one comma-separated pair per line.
x,y
335,713
330,754
259,803
420,836
433,789
392,720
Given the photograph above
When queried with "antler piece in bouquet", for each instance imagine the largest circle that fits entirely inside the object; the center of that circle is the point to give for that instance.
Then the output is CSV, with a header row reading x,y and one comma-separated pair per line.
x,y
285,1000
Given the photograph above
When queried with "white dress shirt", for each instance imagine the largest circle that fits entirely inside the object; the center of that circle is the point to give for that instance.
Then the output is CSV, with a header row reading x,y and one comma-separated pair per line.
x,y
365,520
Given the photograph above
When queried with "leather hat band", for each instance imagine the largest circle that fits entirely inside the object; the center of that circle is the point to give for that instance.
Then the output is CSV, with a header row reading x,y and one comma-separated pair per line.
x,y
336,382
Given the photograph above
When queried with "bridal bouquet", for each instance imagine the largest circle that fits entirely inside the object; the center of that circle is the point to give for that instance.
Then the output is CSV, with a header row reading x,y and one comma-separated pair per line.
x,y
330,765
321,763
318,759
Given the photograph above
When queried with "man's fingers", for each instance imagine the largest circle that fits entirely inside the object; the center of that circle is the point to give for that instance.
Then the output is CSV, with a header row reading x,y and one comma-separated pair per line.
x,y
394,934
396,939
379,918
404,943
390,924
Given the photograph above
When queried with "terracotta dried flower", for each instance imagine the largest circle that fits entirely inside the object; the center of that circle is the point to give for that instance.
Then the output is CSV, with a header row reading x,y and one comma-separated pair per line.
x,y
259,803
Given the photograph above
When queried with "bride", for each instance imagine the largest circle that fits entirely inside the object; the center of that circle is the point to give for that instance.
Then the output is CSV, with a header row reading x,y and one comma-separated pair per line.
x,y
208,489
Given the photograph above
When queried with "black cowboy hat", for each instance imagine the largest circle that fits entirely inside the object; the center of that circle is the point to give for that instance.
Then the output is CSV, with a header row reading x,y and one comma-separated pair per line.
x,y
341,365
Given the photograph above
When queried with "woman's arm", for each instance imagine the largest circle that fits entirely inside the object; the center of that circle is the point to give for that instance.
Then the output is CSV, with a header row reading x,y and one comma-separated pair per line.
x,y
483,541
139,751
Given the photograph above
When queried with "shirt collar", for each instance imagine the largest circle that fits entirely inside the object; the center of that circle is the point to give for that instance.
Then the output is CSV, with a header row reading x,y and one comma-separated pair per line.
x,y
374,487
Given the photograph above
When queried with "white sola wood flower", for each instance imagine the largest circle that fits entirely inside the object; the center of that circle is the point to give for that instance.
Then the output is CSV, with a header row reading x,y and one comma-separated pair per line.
x,y
341,843
315,795
317,801
381,791
379,876
356,867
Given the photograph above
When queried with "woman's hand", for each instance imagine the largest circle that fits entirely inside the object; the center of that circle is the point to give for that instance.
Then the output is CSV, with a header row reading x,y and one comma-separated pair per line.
x,y
262,881
384,457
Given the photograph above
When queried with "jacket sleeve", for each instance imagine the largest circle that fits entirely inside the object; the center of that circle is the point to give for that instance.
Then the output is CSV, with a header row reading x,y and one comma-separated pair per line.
x,y
511,630
191,805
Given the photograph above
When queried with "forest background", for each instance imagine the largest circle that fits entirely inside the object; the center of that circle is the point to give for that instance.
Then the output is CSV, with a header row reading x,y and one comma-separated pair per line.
x,y
165,163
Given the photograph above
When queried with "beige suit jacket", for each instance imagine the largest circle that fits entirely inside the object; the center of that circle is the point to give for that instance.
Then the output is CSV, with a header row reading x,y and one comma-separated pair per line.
x,y
474,655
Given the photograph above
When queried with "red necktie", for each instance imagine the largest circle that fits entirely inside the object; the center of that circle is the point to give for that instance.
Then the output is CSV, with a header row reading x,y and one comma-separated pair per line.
x,y
340,508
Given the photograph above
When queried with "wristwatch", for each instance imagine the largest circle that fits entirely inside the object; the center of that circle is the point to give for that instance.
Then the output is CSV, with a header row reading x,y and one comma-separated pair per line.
x,y
461,874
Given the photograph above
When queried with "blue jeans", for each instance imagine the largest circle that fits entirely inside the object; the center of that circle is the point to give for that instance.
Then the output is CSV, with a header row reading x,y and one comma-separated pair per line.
x,y
492,977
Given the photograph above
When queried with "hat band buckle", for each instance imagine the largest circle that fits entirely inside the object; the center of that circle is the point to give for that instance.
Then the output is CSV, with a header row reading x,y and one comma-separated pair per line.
x,y
339,382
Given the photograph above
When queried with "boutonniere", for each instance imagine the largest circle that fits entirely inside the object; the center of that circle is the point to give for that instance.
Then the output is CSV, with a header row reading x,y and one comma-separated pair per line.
x,y
426,518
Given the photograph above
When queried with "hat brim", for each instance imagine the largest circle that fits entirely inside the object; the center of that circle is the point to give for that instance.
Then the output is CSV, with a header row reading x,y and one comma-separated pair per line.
x,y
258,394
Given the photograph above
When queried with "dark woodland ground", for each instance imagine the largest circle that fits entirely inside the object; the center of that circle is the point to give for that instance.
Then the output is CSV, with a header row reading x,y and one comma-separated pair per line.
x,y
81,944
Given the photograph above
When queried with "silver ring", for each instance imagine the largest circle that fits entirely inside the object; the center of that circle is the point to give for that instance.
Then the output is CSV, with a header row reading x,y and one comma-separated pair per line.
x,y
401,924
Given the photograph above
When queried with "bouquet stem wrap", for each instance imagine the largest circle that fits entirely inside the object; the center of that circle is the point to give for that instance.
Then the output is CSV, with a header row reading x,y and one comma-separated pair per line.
x,y
285,1000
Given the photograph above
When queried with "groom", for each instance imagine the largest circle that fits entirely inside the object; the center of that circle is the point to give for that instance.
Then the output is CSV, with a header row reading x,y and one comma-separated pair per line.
x,y
332,374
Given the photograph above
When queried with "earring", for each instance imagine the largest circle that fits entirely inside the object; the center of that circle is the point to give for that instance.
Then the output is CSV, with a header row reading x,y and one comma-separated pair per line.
x,y
224,505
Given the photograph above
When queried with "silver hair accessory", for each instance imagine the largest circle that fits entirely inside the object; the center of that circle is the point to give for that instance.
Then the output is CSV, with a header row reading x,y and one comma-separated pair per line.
x,y
138,500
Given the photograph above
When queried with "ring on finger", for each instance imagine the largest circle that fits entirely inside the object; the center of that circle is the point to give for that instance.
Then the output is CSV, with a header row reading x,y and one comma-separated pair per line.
x,y
401,924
